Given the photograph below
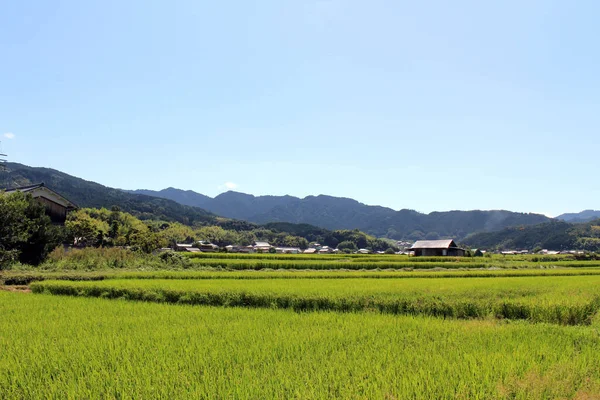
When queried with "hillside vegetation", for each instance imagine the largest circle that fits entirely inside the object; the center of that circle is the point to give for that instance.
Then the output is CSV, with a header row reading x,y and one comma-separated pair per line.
x,y
90,194
554,235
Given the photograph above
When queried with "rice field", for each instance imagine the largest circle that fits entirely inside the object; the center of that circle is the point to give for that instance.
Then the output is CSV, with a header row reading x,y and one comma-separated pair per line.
x,y
568,300
299,262
57,347
287,327
24,278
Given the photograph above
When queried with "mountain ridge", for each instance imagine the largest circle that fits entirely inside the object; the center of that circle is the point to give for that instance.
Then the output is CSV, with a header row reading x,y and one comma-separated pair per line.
x,y
323,211
332,212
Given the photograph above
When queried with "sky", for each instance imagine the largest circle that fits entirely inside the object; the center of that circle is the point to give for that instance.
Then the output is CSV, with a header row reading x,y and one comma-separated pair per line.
x,y
428,105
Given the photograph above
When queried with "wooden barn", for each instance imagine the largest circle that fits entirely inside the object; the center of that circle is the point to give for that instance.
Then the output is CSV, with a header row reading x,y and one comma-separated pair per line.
x,y
56,205
437,248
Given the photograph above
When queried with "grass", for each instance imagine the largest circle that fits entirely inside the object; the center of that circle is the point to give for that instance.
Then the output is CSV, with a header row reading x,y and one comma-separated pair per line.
x,y
116,259
298,262
26,277
71,348
382,257
568,300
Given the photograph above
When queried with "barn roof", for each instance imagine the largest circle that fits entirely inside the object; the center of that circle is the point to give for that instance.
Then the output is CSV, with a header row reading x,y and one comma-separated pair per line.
x,y
39,189
434,244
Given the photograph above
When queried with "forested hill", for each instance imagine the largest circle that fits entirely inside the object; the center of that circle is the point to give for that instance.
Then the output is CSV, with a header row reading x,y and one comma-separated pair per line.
x,y
90,194
556,235
342,213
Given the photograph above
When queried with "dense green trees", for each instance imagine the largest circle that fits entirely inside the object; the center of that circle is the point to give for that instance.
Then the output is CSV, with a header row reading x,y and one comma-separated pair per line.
x,y
102,227
26,233
554,236
347,246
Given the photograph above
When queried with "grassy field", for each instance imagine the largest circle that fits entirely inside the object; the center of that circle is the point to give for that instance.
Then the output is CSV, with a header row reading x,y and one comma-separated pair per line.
x,y
116,259
568,300
26,277
318,327
71,348
372,262
381,257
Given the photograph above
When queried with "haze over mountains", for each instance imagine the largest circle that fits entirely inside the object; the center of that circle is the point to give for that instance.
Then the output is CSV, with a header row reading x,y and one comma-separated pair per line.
x,y
343,213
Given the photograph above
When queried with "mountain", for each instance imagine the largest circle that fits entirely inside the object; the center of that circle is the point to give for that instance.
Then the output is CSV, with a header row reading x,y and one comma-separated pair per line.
x,y
583,216
90,194
185,197
556,235
342,213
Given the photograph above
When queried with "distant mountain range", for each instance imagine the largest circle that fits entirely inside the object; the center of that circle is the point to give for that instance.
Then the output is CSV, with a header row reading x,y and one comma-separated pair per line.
x,y
583,216
322,211
342,213
90,194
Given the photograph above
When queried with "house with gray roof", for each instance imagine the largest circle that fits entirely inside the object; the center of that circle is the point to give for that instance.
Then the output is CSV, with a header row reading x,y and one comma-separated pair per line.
x,y
57,206
437,248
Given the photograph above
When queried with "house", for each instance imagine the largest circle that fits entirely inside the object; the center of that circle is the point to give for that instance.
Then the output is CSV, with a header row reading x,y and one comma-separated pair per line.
x,y
57,206
326,250
434,248
363,251
403,244
288,250
183,247
207,247
310,251
239,249
262,247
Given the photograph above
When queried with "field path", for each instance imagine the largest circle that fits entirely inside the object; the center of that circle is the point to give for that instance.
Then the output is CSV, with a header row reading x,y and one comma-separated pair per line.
x,y
16,289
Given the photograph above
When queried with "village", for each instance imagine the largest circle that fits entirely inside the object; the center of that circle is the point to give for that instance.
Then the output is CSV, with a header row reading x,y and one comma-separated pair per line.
x,y
420,248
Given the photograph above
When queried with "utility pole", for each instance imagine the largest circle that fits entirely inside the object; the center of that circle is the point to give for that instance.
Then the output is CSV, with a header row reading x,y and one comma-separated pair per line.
x,y
3,182
2,159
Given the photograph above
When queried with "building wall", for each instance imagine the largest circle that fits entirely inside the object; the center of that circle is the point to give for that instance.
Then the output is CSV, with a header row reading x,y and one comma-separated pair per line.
x,y
456,252
439,252
56,212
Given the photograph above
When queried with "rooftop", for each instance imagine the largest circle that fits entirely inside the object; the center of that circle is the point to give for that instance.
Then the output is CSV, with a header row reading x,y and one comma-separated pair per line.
x,y
434,244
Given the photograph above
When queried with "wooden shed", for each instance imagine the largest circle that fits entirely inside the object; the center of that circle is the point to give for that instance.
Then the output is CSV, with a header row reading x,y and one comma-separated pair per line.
x,y
437,248
57,206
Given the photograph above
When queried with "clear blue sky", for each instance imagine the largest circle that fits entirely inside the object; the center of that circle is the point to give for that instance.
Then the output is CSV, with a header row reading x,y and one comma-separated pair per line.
x,y
429,105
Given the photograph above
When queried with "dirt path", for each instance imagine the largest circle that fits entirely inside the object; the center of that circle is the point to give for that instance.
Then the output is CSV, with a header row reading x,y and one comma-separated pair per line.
x,y
18,289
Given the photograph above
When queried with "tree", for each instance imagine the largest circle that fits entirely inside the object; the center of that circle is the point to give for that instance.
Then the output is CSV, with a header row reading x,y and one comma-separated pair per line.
x,y
26,232
147,242
84,230
347,246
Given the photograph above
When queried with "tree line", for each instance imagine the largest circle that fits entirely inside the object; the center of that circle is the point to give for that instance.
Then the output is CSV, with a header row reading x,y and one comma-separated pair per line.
x,y
28,236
